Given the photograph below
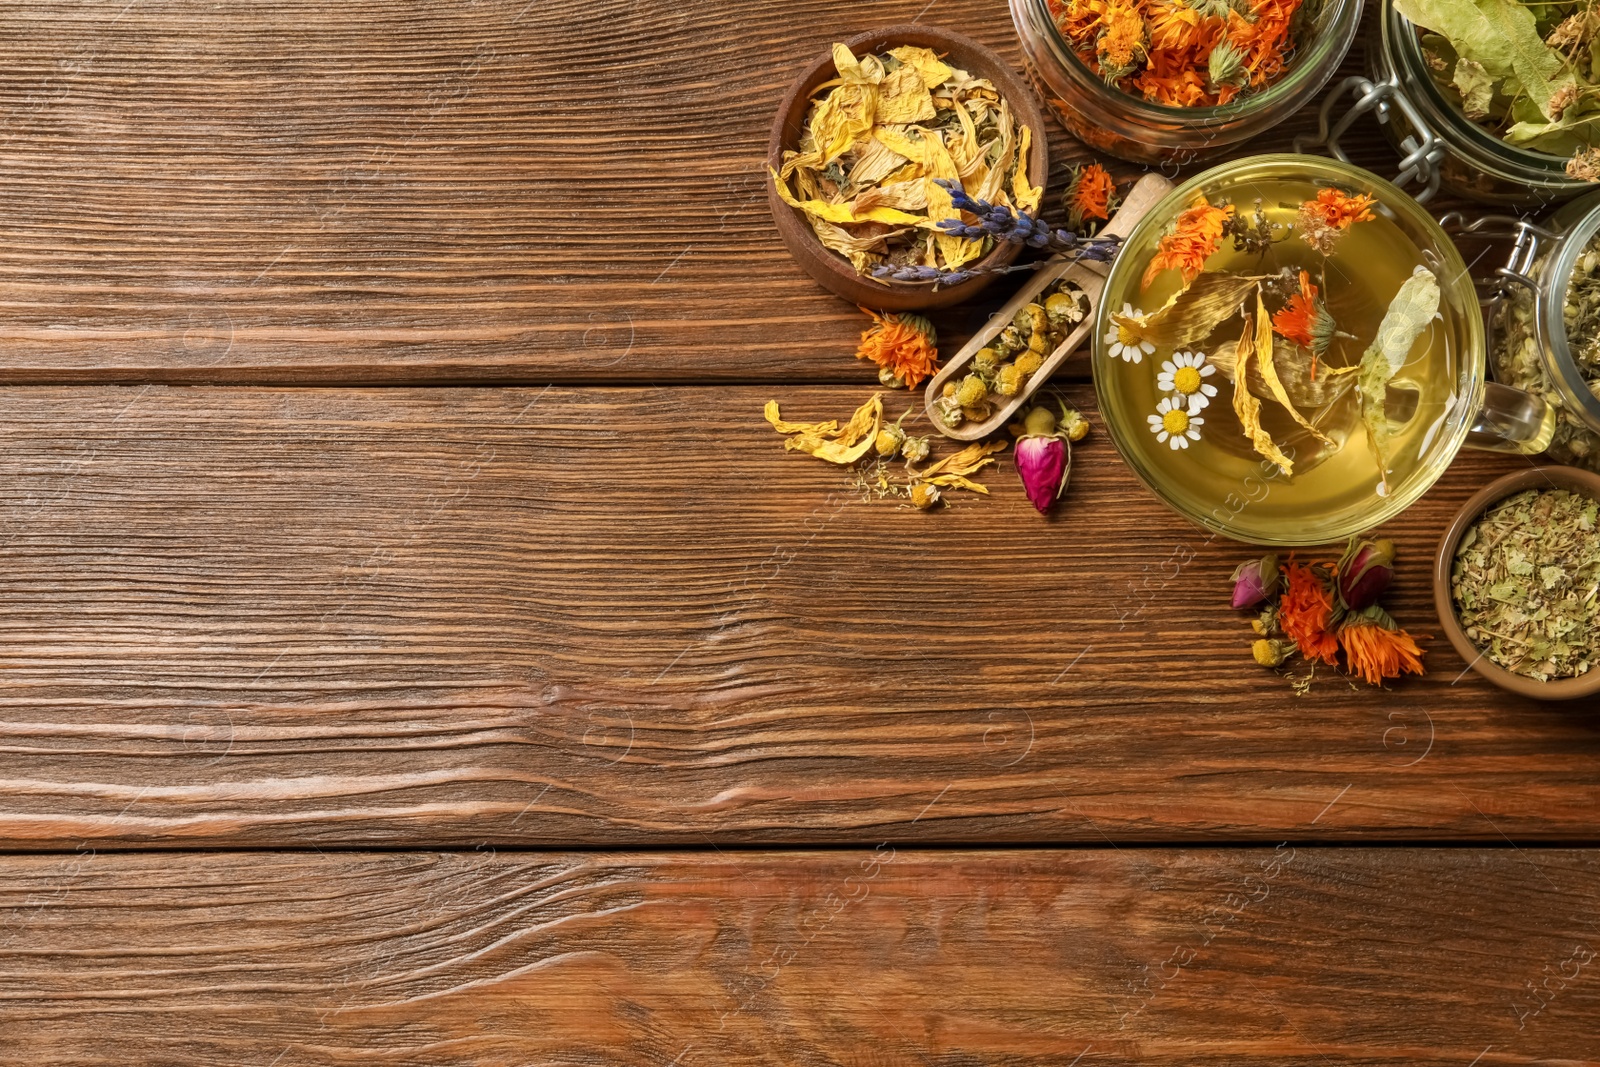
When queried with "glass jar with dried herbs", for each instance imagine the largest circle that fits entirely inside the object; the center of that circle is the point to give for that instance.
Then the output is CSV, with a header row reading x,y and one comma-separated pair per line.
x,y
1157,81
1544,320
1496,100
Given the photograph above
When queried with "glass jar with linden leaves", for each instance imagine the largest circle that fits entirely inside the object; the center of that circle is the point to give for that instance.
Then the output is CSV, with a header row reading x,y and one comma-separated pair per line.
x,y
1289,351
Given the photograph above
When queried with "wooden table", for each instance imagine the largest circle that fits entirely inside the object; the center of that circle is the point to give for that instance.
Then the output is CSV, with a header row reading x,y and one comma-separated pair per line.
x,y
418,650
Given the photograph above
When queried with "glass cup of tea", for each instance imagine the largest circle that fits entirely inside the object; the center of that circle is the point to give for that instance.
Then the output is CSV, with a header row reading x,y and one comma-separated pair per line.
x,y
1347,319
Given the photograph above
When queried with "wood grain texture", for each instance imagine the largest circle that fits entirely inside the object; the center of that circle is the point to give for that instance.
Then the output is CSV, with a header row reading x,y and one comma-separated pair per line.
x,y
1292,957
600,616
382,191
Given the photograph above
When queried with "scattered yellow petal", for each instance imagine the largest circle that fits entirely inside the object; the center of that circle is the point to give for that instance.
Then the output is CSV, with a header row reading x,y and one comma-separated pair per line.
x,y
1026,196
778,423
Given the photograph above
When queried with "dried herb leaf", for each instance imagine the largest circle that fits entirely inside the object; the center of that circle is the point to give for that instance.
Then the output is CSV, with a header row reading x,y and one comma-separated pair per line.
x,y
1475,86
1266,353
1503,36
1246,406
1413,307
1192,313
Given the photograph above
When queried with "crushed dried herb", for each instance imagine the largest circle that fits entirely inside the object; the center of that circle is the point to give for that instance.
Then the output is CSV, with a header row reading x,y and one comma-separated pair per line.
x,y
1525,582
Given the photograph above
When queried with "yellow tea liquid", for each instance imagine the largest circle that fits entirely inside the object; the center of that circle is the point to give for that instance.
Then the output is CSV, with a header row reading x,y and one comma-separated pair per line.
x,y
1220,478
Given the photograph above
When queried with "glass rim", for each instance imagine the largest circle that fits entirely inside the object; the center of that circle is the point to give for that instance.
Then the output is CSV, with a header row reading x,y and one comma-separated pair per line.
x,y
1281,90
1470,377
1557,274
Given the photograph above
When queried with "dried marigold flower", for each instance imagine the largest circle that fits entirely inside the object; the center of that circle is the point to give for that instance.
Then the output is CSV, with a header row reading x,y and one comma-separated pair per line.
x,y
1089,195
1377,649
1324,220
1195,235
1306,612
1306,321
904,346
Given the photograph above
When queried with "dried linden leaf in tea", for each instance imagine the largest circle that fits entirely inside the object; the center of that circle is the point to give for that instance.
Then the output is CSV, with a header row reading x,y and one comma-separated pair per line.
x,y
1525,582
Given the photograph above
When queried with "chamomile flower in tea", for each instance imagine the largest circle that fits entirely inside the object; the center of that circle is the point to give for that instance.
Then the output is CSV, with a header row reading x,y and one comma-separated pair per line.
x,y
878,140
1185,375
1185,53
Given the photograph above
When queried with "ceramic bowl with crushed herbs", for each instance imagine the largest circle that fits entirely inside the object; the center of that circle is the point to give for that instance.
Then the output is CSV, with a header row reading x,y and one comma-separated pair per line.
x,y
1517,583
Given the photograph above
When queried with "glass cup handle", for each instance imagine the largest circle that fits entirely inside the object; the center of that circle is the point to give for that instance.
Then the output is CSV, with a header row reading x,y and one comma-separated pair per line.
x,y
1421,161
1509,420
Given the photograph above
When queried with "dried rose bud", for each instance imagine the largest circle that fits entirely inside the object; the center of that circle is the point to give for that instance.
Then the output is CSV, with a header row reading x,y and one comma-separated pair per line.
x,y
1255,581
1043,459
1365,571
1270,653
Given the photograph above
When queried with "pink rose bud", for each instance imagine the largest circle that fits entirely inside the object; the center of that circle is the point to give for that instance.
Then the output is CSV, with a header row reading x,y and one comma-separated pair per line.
x,y
1042,459
1255,581
1365,571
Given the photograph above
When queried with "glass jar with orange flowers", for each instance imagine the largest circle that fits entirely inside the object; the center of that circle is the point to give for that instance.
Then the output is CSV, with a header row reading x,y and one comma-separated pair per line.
x,y
1289,350
1442,140
1156,81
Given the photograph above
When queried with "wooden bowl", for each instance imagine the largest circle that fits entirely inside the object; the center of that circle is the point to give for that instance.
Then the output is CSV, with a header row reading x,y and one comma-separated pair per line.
x,y
1573,478
829,268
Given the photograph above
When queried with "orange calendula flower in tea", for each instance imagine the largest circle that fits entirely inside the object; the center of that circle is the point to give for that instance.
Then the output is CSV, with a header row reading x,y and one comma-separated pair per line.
x,y
1089,195
1305,613
1195,235
1324,219
1378,652
905,348
1294,322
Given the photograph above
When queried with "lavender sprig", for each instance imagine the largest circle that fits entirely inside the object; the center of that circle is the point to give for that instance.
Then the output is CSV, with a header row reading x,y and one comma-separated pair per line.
x,y
1002,224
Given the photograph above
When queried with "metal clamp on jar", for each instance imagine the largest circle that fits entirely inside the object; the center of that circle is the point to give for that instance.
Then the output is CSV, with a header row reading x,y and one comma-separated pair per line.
x,y
1440,146
1529,311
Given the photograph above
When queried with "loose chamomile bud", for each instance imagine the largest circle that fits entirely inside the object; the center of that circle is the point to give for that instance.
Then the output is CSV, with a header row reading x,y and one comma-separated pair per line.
x,y
978,412
1270,653
915,449
971,392
947,410
949,389
1074,425
890,438
924,495
889,379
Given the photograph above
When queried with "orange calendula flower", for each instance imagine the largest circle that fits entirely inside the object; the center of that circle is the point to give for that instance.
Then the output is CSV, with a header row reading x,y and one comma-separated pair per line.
x,y
1121,42
903,346
1377,652
1306,321
1195,235
1305,613
1324,219
1089,196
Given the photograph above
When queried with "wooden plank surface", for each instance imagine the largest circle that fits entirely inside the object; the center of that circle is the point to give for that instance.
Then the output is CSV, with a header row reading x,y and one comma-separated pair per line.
x,y
465,191
280,617
1287,957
